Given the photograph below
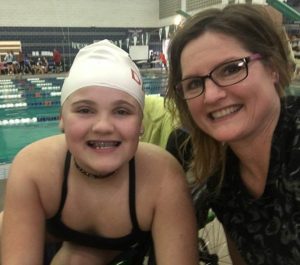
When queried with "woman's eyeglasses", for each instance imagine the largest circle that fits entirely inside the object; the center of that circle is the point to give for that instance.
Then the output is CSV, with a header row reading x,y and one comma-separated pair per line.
x,y
225,74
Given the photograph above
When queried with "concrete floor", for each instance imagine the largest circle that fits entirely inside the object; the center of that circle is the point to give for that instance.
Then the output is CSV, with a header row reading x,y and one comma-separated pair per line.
x,y
2,193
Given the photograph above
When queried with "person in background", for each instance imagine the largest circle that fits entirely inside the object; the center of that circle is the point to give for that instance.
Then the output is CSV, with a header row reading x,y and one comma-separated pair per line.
x,y
157,121
151,59
228,71
42,65
21,65
3,67
45,64
163,60
39,66
57,60
161,129
180,146
28,68
96,188
9,59
34,64
295,45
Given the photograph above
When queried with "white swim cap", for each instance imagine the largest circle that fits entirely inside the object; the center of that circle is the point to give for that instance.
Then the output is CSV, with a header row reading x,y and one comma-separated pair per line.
x,y
104,64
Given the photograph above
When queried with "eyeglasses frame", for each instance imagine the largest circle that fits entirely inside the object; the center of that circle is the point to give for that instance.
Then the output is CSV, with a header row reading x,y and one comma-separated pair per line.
x,y
246,60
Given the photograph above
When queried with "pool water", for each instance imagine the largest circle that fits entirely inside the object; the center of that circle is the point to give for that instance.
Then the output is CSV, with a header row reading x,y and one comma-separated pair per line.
x,y
14,138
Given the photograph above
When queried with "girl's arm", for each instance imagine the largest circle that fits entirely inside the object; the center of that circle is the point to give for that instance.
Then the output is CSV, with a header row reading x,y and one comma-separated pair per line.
x,y
22,239
174,228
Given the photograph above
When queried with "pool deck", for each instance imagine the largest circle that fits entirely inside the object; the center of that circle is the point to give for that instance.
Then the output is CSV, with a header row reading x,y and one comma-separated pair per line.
x,y
64,74
2,193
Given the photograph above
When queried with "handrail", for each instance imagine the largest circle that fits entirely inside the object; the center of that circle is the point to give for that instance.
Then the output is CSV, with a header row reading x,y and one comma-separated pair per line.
x,y
285,9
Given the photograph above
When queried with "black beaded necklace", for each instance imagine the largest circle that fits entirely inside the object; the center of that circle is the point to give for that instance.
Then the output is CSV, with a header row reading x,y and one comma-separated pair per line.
x,y
91,175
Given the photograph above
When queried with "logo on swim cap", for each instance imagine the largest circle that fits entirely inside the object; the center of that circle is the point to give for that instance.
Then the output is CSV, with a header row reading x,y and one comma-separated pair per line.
x,y
135,77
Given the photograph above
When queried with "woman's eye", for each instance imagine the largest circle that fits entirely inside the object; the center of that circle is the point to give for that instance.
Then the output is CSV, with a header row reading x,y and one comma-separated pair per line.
x,y
231,69
194,84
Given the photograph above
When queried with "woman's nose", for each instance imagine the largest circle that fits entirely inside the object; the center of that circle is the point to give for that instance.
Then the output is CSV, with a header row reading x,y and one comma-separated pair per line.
x,y
212,91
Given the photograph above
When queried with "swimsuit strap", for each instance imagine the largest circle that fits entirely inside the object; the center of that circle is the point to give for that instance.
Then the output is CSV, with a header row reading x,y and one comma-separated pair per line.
x,y
132,192
64,189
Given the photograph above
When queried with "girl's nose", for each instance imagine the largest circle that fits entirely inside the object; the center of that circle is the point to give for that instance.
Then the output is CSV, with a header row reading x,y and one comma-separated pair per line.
x,y
102,124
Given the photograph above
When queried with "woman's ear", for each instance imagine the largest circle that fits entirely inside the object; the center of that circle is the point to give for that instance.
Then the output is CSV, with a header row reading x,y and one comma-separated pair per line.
x,y
275,77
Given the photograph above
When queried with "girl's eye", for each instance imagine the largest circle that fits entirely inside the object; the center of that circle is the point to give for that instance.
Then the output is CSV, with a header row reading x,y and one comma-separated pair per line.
x,y
84,110
122,112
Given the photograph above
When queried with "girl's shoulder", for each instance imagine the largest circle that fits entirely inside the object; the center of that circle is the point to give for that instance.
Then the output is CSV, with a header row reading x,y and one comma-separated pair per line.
x,y
155,152
52,142
156,159
42,153
37,170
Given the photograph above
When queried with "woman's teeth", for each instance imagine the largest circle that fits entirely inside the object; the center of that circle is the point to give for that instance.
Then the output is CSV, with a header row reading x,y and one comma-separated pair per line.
x,y
224,112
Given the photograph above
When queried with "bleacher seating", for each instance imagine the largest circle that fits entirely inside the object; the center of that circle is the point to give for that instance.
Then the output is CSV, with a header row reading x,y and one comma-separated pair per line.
x,y
14,45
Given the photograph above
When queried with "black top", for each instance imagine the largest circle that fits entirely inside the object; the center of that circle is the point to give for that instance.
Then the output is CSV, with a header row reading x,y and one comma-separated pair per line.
x,y
267,230
137,241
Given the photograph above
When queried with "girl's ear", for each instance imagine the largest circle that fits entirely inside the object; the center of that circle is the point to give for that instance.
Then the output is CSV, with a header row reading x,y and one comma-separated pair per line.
x,y
61,125
142,130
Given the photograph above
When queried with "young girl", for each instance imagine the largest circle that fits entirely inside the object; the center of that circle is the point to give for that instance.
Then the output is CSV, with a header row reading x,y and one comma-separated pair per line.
x,y
95,188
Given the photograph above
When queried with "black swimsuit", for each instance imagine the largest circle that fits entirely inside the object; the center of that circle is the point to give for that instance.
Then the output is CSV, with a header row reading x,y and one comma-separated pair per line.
x,y
133,245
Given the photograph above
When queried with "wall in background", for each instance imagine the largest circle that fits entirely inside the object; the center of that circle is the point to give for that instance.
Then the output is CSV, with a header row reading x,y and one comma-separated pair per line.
x,y
80,13
71,24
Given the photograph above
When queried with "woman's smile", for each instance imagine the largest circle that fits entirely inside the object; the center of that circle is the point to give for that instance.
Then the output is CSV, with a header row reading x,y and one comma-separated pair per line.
x,y
219,114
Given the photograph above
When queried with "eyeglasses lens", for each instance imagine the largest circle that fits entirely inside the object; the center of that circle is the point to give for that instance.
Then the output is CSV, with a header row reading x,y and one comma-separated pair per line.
x,y
192,87
230,73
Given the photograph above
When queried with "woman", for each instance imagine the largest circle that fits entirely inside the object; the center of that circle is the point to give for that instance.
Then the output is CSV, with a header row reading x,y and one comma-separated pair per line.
x,y
229,69
96,188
